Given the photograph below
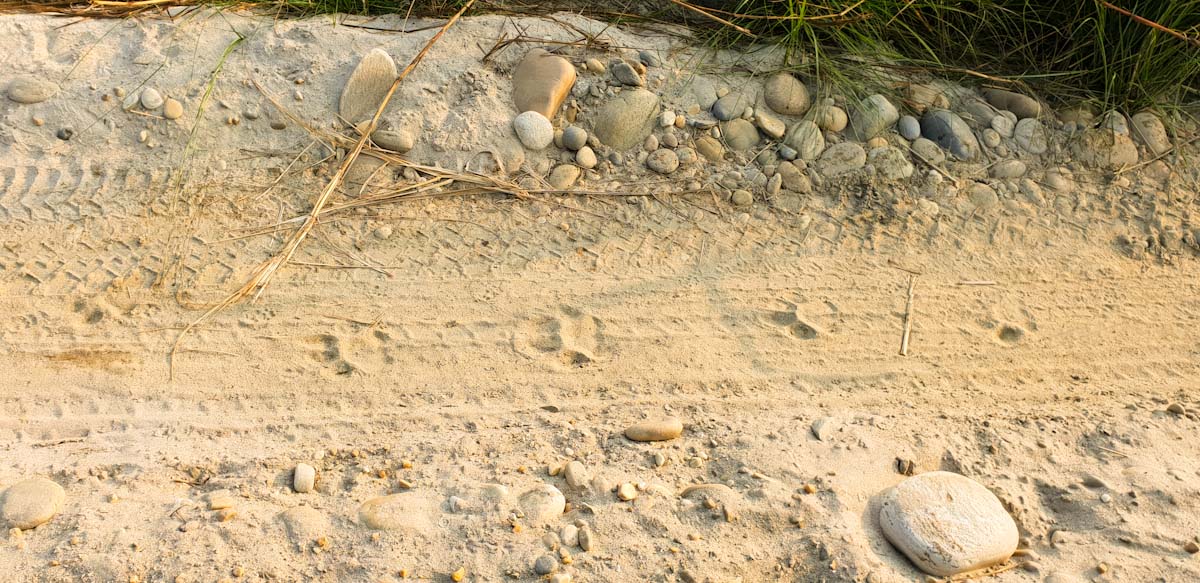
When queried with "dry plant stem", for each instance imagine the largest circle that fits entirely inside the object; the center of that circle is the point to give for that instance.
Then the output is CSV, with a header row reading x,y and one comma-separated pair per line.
x,y
264,272
1152,24
712,16
908,312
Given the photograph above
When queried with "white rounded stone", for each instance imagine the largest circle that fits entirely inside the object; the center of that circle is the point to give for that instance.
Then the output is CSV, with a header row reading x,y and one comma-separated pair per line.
x,y
534,130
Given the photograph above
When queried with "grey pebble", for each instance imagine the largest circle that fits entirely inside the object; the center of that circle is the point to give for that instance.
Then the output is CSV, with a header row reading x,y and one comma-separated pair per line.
x,y
545,564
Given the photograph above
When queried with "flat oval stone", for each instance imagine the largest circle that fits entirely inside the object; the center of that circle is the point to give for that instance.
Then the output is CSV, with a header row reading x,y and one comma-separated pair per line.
x,y
29,90
655,430
1022,105
541,83
873,115
740,134
806,138
948,130
394,140
172,109
947,523
367,86
31,502
404,511
842,158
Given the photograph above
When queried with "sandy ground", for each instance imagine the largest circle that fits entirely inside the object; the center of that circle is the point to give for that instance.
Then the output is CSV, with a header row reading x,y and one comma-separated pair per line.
x,y
494,340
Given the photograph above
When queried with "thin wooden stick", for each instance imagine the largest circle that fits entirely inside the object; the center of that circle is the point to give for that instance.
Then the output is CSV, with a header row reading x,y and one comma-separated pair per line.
x,y
908,311
265,271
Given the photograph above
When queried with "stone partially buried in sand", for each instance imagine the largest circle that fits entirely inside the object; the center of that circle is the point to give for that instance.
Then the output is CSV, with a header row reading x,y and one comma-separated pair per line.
x,y
627,119
541,82
534,130
655,430
404,511
29,90
947,524
367,86
785,94
31,502
542,504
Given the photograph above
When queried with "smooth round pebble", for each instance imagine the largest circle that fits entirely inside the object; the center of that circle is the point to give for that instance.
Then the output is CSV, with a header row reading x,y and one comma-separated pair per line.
x,y
910,128
29,90
172,109
534,130
545,564
542,504
151,98
663,161
586,158
574,138
742,197
656,429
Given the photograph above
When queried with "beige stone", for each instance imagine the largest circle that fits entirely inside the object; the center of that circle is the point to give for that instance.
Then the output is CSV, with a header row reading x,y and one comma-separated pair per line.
x,y
542,82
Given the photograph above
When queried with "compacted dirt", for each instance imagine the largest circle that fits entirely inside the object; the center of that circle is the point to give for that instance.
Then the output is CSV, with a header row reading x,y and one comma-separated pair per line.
x,y
462,349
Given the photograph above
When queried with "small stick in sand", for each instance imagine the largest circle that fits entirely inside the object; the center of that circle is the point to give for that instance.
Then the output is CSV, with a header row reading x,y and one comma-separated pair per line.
x,y
908,308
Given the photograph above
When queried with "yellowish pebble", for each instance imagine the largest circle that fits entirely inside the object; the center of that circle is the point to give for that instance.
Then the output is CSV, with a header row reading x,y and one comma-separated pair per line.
x,y
459,575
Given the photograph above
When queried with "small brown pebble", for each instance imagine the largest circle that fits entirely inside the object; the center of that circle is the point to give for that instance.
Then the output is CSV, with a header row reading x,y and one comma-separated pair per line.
x,y
1102,568
1192,547
404,573
404,484
459,575
238,572
226,514
323,542
1175,408
406,465
37,121
810,489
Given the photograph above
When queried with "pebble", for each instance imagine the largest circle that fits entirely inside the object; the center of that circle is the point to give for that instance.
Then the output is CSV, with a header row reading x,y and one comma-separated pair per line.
x,y
947,523
824,428
626,75
731,106
587,540
1022,105
395,140
793,178
670,141
770,125
366,87
830,118
663,161
650,144
1176,409
29,90
574,137
594,65
890,163
1192,547
1149,130
786,95
655,430
710,148
172,109
842,158
586,158
627,119
923,97
787,152
740,134
627,492
545,564
569,535
873,115
278,125
542,82
909,127
542,504
564,176
982,196
31,502
948,130
1031,136
991,138
151,98
534,130
65,134
1008,169
807,140
1115,122
928,150
383,233
742,197
666,119
1004,125
876,142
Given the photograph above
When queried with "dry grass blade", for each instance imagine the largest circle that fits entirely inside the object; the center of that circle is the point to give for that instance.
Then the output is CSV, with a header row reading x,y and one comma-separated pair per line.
x,y
262,275
714,17
1154,25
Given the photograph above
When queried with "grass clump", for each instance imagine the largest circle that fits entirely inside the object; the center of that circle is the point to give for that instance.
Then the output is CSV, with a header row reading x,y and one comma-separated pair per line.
x,y
1131,54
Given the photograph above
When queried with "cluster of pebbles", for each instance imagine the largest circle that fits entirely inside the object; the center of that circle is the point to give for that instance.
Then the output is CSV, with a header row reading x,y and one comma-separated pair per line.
x,y
945,523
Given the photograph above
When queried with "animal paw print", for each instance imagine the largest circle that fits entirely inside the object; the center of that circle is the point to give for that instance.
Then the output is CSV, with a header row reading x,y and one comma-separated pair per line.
x,y
792,324
570,336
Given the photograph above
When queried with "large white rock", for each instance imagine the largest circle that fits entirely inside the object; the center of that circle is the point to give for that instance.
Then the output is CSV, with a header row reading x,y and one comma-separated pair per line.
x,y
31,502
947,523
367,86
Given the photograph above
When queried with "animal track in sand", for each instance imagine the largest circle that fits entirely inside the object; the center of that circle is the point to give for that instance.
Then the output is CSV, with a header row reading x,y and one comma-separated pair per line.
x,y
575,338
794,325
